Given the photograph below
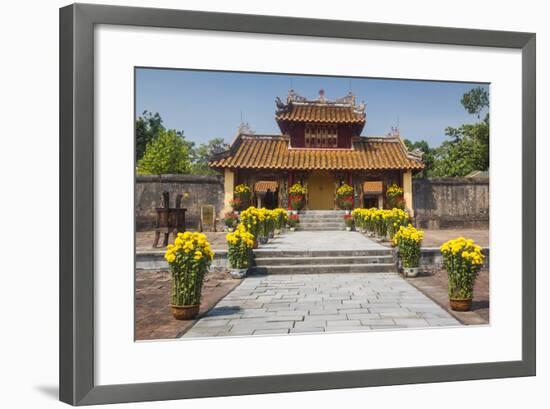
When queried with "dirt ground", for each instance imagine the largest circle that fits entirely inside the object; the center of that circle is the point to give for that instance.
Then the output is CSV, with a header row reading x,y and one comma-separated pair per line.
x,y
144,240
434,285
153,316
435,238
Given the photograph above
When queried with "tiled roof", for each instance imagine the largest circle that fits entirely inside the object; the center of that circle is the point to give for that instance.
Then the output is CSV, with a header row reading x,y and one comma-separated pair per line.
x,y
321,113
272,152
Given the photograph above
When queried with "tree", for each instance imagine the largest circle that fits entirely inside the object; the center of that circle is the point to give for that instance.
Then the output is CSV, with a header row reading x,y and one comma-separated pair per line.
x,y
204,152
428,156
148,126
168,152
475,100
468,147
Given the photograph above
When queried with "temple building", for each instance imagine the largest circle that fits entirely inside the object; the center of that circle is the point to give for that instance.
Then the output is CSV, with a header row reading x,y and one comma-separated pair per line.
x,y
321,147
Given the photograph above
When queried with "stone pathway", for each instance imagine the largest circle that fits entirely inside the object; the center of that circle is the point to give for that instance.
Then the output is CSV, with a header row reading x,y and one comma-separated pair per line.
x,y
320,241
313,303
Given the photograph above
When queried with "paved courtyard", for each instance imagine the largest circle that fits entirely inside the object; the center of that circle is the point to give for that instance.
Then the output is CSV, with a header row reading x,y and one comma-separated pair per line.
x,y
314,303
321,240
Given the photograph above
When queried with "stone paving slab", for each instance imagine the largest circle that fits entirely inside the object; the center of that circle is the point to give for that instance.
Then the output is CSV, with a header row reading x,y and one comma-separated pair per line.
x,y
321,303
318,241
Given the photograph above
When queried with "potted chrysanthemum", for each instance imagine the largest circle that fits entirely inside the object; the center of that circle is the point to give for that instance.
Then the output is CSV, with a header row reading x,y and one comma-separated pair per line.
x,y
189,258
408,239
462,259
296,196
231,219
281,217
264,224
394,194
293,221
395,219
344,197
250,218
239,244
241,196
348,220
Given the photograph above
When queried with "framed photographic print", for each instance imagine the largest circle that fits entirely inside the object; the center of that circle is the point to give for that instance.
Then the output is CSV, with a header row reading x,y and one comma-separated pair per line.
x,y
261,204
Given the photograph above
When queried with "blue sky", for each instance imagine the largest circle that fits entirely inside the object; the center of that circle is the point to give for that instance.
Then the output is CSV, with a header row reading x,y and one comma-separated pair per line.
x,y
209,104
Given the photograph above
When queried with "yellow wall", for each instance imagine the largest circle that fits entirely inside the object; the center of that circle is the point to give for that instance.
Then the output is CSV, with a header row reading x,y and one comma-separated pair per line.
x,y
228,186
407,192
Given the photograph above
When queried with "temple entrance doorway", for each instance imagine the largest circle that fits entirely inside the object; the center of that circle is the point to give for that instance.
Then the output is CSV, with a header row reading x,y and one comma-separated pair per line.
x,y
320,186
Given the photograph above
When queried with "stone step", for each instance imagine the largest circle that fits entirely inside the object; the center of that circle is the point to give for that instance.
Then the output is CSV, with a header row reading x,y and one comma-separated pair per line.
x,y
321,216
267,253
322,212
276,261
325,220
325,268
320,228
316,224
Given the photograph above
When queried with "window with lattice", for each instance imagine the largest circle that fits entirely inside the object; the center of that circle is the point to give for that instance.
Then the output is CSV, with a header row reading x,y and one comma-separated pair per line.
x,y
321,136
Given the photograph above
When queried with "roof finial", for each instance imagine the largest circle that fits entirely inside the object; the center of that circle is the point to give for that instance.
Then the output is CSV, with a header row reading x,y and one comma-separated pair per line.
x,y
322,95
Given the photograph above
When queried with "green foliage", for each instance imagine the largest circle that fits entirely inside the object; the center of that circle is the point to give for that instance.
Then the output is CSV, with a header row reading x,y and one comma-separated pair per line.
x,y
167,153
428,157
467,146
462,276
187,281
204,152
148,126
466,152
475,100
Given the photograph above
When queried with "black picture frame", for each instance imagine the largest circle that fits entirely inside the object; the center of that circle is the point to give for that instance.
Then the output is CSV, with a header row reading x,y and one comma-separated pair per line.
x,y
77,386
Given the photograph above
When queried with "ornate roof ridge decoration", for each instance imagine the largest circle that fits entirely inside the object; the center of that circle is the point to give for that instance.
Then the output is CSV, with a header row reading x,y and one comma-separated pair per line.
x,y
244,128
293,98
415,154
264,136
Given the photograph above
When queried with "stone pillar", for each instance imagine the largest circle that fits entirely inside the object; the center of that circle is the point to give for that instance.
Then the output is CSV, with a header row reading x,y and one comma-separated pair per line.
x,y
228,187
407,191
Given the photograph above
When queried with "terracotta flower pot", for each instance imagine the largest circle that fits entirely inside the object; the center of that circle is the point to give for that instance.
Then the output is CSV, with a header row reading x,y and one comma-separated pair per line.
x,y
256,244
185,312
460,304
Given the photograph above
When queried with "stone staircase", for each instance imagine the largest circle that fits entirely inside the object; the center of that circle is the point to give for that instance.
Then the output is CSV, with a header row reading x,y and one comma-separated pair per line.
x,y
315,220
323,261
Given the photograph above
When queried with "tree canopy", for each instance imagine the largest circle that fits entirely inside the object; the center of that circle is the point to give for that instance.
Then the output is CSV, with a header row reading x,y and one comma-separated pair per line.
x,y
159,150
467,146
168,152
148,126
204,152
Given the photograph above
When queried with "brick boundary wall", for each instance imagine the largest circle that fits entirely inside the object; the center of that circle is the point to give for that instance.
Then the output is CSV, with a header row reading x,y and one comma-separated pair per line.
x,y
451,203
197,190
